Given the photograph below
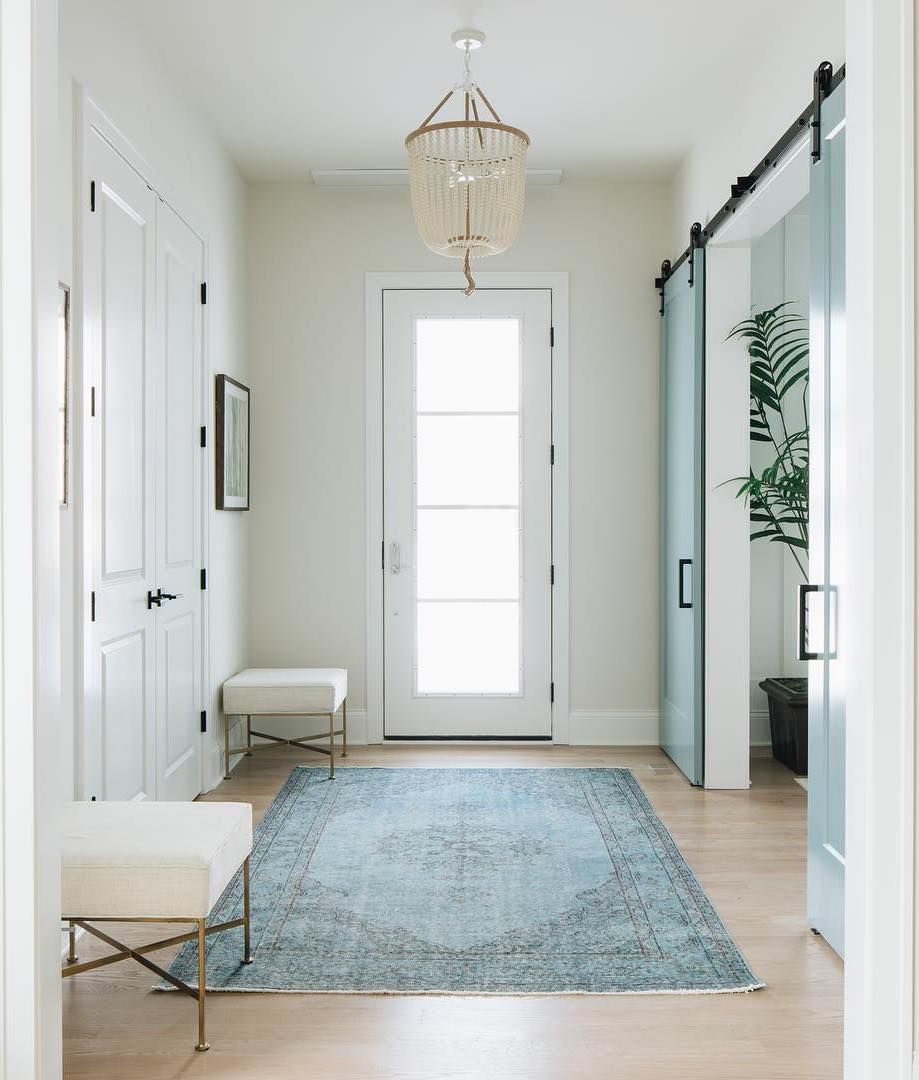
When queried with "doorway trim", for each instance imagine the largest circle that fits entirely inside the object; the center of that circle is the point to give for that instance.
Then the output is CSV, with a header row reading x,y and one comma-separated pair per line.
x,y
375,284
881,241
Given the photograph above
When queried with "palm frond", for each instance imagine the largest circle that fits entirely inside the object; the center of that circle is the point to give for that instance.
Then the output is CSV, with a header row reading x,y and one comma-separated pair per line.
x,y
778,349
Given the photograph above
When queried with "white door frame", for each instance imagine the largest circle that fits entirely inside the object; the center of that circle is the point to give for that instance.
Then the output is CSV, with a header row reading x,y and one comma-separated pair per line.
x,y
89,117
31,776
880,742
375,285
727,454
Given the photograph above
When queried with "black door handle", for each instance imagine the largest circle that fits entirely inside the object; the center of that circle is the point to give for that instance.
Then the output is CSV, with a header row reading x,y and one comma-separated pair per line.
x,y
803,629
829,647
159,596
682,577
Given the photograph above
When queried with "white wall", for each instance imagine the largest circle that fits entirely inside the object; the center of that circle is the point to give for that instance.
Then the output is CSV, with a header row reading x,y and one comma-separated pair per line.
x,y
132,88
754,114
309,249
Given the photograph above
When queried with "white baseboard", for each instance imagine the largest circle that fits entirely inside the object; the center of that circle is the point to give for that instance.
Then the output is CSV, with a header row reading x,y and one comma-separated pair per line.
x,y
759,728
614,727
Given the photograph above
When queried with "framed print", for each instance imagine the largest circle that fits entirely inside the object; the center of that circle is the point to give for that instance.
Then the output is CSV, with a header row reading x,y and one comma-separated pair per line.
x,y
232,444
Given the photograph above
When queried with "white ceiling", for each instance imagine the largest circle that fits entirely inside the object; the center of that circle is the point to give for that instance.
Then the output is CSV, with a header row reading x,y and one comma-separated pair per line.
x,y
602,87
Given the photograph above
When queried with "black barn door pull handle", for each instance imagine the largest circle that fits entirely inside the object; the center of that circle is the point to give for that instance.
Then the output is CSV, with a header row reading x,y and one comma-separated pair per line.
x,y
682,578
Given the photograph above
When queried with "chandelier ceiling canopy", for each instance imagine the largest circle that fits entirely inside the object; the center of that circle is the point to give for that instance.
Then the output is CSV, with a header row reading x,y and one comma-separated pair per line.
x,y
467,177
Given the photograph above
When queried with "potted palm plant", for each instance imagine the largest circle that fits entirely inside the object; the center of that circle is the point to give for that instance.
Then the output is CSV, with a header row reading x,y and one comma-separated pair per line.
x,y
777,491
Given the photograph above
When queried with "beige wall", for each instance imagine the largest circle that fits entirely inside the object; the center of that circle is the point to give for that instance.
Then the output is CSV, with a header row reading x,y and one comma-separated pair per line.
x,y
308,251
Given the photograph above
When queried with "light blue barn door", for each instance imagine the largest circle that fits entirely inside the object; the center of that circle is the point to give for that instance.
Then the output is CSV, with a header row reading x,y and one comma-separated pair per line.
x,y
821,600
682,387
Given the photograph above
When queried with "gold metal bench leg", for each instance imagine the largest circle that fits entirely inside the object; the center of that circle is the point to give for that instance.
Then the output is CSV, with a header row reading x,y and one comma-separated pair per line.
x,y
331,746
72,943
202,981
226,746
247,953
344,727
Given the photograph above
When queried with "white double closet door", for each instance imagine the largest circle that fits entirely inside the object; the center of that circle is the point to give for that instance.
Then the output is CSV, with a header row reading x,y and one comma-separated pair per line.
x,y
143,480
467,489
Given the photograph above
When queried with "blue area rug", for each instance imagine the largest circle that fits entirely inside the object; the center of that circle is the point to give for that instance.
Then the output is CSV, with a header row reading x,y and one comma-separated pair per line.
x,y
501,881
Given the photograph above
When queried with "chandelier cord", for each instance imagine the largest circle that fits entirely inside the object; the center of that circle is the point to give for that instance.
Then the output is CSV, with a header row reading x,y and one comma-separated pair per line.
x,y
468,84
470,287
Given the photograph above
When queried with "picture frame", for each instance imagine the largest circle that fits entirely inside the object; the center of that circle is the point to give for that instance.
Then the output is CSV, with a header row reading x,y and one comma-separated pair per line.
x,y
232,444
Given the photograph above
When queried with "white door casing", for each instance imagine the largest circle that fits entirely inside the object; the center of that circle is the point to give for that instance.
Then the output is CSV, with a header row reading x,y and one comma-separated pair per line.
x,y
513,510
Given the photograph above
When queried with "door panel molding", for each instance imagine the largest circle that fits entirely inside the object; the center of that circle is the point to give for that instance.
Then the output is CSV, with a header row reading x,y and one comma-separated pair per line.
x,y
375,285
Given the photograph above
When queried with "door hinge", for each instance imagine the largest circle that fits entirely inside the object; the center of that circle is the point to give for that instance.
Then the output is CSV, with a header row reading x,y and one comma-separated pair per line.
x,y
203,436
92,401
552,574
382,554
695,243
660,282
203,292
551,337
551,692
92,196
203,578
92,606
204,719
552,454
823,84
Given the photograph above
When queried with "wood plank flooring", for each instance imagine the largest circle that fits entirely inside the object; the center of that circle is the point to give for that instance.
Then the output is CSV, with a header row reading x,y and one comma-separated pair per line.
x,y
747,848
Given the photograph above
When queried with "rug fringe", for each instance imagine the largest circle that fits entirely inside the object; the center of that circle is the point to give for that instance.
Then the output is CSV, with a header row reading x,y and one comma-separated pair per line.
x,y
747,989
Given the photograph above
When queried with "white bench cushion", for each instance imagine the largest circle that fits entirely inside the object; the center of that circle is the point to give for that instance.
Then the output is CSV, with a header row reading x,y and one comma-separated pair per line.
x,y
280,691
150,859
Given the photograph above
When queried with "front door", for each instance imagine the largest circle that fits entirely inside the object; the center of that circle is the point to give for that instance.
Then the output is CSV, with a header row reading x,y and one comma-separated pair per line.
x,y
822,598
467,556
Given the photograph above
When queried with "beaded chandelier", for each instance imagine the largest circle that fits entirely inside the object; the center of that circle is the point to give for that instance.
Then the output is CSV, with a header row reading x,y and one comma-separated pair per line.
x,y
467,177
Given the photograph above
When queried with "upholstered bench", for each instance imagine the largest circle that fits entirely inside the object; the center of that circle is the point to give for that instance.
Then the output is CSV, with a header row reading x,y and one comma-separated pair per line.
x,y
287,692
162,862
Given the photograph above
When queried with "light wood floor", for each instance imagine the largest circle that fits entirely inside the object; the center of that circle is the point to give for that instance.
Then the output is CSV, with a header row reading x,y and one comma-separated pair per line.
x,y
746,847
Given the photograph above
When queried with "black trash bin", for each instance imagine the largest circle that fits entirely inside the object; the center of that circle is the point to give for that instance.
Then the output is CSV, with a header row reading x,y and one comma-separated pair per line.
x,y
788,721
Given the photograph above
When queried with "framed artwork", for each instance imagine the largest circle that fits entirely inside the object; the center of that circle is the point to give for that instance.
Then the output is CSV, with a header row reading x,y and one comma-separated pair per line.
x,y
232,444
